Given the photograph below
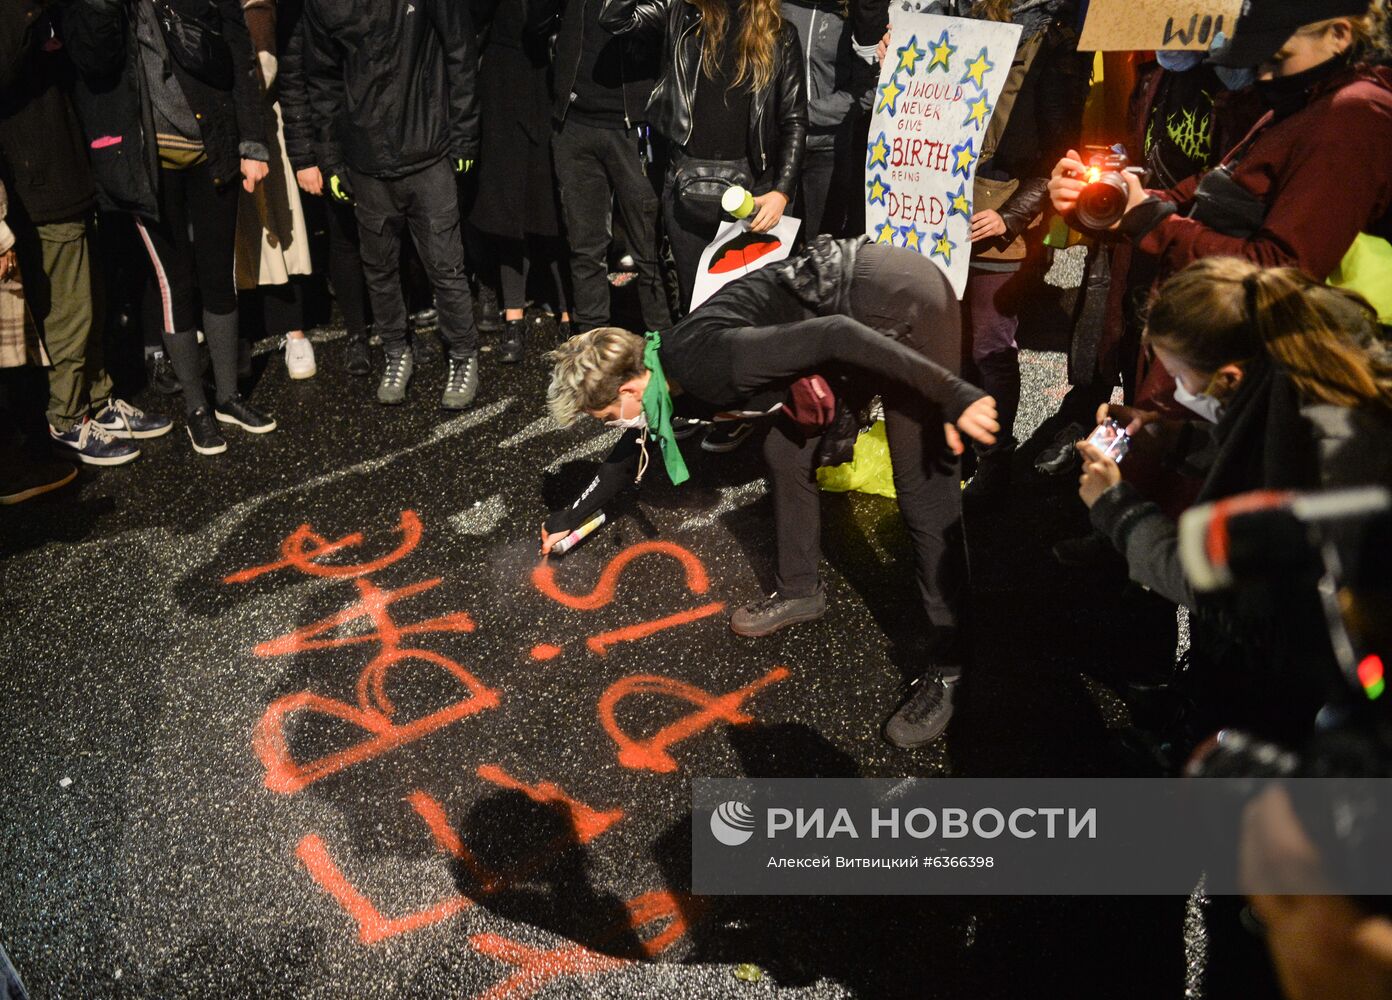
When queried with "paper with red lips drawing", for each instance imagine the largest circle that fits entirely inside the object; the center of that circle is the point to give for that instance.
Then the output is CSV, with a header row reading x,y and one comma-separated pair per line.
x,y
736,251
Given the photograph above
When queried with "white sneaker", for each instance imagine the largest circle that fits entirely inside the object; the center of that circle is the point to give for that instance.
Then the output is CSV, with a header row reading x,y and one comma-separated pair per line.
x,y
299,357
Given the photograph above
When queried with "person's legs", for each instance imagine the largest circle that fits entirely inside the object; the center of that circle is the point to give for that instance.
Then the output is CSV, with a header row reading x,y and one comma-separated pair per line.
x,y
77,380
817,167
578,152
380,221
432,212
990,321
797,513
171,258
797,509
638,209
512,282
213,212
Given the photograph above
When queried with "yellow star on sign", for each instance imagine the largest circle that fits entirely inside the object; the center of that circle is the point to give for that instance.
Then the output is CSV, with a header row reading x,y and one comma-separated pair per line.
x,y
943,247
963,158
913,239
877,191
886,233
977,70
941,53
879,152
889,96
978,112
958,203
909,56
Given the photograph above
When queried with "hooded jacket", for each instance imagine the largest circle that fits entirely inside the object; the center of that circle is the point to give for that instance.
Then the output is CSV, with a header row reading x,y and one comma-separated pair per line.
x,y
778,118
43,157
839,82
391,83
115,109
1317,177
637,57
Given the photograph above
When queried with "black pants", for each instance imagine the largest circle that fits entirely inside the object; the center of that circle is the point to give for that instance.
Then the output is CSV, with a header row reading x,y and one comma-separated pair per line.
x,y
346,268
428,203
598,170
889,293
188,271
518,260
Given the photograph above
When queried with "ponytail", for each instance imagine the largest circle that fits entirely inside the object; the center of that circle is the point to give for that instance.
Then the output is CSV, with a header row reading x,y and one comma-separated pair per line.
x,y
1225,310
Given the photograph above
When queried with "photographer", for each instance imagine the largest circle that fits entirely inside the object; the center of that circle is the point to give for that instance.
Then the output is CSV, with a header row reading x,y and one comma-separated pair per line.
x,y
1296,392
1312,175
881,318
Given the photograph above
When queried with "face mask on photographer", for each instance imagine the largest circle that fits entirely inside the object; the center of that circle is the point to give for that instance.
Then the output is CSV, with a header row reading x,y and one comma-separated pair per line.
x,y
636,422
1208,407
1178,60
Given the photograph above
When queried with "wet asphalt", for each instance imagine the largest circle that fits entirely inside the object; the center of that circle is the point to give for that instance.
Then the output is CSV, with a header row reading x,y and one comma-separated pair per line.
x,y
302,721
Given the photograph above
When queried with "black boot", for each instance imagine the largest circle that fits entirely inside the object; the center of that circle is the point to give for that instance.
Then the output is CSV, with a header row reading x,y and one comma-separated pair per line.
x,y
993,472
356,360
514,343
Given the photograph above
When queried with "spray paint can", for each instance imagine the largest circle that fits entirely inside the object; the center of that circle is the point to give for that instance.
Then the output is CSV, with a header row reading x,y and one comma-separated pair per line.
x,y
737,201
577,536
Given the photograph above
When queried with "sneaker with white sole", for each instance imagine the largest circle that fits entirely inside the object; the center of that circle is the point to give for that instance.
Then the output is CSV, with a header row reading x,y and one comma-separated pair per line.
x,y
726,436
237,410
95,445
204,434
299,357
120,419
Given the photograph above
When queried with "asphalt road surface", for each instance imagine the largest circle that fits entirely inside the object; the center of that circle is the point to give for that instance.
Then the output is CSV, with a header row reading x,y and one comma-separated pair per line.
x,y
304,721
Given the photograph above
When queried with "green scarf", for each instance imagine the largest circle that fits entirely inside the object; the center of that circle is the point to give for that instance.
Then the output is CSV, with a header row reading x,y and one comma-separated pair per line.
x,y
657,405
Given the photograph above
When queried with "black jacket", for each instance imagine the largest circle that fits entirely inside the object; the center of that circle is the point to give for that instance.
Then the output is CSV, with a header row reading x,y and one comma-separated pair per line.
x,y
719,357
115,109
296,116
43,159
638,63
778,122
391,83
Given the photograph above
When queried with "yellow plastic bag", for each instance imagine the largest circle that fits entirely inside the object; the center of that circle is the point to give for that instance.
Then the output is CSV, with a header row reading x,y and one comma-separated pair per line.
x,y
1367,270
868,471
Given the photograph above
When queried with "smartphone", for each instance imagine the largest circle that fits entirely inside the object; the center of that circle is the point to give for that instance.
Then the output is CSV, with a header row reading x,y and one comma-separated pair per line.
x,y
1111,440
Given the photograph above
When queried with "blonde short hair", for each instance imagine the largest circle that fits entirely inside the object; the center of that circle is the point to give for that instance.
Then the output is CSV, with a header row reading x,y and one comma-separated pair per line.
x,y
589,369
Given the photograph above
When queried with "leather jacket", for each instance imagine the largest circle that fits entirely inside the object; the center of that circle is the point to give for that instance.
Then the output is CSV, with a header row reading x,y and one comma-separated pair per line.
x,y
778,119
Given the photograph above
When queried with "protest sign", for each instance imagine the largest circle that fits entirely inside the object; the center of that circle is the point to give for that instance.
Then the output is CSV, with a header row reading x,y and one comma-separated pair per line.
x,y
939,84
736,251
1127,25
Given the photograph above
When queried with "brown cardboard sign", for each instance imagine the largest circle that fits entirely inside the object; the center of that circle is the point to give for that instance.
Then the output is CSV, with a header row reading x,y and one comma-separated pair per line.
x,y
1126,25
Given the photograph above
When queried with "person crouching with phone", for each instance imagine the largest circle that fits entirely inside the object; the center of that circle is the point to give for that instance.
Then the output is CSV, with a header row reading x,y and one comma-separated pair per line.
x,y
1293,386
875,318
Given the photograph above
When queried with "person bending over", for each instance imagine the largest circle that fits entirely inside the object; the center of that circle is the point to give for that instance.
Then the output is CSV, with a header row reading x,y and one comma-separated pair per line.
x,y
876,319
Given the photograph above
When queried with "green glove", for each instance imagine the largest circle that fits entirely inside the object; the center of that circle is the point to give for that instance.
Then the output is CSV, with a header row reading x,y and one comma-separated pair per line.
x,y
463,166
340,189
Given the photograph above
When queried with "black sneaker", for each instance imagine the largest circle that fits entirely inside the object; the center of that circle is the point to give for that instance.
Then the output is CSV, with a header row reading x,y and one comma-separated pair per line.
x,y
1061,454
461,382
769,614
203,432
726,436
162,376
490,313
356,360
926,713
682,428
238,411
514,344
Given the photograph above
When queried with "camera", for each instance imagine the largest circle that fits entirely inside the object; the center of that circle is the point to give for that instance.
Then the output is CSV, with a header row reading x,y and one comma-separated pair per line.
x,y
1111,439
1102,203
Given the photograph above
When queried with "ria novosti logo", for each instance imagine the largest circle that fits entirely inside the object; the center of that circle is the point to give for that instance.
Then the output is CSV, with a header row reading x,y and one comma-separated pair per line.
x,y
732,823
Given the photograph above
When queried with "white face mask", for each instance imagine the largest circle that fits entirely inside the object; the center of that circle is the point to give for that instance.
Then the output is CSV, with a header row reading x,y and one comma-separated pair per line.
x,y
628,423
1209,407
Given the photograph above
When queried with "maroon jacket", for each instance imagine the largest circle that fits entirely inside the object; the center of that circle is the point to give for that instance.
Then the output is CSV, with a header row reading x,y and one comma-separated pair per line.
x,y
1323,173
